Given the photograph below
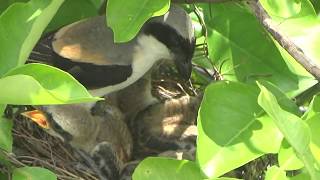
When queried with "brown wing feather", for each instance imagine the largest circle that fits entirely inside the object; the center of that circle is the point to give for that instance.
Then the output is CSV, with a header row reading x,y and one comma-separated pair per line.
x,y
91,41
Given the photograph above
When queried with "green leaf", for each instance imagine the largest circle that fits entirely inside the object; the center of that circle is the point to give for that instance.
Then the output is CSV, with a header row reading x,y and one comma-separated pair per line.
x,y
301,25
314,108
6,3
316,5
41,84
3,176
230,122
244,52
21,26
32,173
97,3
5,134
72,11
287,9
126,18
302,176
314,126
296,132
287,158
157,168
275,173
312,118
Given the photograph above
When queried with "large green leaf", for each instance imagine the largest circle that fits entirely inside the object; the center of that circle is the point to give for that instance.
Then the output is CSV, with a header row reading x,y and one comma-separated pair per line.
x,y
230,122
275,173
41,84
72,11
296,132
126,18
244,52
5,134
157,168
301,24
32,173
21,26
287,157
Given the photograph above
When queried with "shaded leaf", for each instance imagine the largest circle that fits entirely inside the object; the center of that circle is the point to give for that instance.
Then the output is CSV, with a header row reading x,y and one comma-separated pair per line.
x,y
5,134
157,168
3,176
126,18
16,42
29,84
6,3
32,173
72,11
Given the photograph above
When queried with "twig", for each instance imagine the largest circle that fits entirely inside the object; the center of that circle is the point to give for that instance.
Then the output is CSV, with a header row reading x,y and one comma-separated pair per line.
x,y
297,53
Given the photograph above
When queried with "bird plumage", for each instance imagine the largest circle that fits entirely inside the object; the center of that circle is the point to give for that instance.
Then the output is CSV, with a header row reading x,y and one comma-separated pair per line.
x,y
86,50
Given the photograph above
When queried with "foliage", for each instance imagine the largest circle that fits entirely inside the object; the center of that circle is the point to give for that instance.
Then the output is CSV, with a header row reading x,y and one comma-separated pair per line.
x,y
247,115
26,173
126,22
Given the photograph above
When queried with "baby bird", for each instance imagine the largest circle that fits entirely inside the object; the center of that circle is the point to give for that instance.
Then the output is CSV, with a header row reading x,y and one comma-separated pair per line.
x,y
101,133
164,126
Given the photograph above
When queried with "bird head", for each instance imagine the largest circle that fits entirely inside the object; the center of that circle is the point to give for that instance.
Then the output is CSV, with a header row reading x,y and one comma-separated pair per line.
x,y
62,121
175,31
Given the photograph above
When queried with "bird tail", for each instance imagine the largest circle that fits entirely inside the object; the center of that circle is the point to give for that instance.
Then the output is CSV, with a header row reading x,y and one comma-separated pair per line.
x,y
43,51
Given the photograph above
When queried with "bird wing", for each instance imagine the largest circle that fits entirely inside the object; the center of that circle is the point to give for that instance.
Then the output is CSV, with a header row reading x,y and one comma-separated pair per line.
x,y
87,51
91,41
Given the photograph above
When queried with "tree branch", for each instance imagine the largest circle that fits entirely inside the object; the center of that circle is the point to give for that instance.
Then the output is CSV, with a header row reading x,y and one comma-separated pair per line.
x,y
297,53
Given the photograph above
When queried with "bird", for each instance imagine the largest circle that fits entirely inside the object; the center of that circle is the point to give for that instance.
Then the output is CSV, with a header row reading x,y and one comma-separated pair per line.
x,y
100,136
86,49
165,126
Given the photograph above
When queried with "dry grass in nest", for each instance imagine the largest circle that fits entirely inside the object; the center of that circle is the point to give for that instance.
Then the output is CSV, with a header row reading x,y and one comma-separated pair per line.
x,y
34,147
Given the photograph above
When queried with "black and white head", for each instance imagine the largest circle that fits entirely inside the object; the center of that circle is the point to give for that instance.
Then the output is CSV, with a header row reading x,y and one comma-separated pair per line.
x,y
175,31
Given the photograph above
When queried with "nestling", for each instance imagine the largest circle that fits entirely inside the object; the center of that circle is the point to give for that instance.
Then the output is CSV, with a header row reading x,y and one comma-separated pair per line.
x,y
104,135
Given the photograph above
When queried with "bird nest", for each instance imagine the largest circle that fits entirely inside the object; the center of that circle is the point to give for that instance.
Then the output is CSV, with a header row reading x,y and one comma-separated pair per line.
x,y
34,147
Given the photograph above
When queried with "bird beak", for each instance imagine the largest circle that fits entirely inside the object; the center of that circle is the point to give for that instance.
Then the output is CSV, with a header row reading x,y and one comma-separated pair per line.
x,y
184,68
38,117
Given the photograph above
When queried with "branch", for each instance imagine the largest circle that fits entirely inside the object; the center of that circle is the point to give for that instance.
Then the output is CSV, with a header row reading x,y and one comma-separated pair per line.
x,y
297,53
199,1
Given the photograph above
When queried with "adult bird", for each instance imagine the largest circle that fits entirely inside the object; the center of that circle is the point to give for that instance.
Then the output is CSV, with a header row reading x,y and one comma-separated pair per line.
x,y
86,50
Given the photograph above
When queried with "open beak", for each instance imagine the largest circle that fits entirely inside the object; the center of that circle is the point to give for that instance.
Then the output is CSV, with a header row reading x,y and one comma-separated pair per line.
x,y
38,117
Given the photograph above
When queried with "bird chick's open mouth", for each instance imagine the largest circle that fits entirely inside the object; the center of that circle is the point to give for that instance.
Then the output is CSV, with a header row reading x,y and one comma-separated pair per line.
x,y
38,117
